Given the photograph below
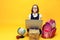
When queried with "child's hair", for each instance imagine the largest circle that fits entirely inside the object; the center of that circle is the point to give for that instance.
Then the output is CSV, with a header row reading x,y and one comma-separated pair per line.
x,y
37,8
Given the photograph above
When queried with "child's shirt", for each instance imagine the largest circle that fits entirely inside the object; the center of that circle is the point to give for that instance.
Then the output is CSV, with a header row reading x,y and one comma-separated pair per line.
x,y
35,16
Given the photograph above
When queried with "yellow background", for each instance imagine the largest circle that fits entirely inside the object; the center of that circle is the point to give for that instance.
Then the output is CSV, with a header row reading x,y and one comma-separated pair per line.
x,y
13,14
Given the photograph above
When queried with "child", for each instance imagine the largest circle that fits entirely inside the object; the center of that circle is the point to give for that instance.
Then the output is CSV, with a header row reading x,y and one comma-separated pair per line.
x,y
35,15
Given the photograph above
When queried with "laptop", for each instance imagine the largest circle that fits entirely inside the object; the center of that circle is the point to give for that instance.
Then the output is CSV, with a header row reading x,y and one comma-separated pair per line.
x,y
33,23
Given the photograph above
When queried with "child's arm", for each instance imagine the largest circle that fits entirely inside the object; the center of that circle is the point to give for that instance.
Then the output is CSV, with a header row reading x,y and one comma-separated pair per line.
x,y
40,16
29,16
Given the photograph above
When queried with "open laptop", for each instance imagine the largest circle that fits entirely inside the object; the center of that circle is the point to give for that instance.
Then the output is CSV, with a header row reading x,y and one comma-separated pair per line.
x,y
33,23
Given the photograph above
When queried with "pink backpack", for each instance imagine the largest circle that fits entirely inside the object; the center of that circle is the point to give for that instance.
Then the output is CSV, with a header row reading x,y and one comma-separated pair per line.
x,y
49,29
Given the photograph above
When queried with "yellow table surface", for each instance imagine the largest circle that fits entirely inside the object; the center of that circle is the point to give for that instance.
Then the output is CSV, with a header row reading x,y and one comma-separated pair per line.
x,y
13,14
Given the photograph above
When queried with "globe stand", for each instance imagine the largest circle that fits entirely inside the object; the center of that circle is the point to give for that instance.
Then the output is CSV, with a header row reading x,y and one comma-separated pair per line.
x,y
21,36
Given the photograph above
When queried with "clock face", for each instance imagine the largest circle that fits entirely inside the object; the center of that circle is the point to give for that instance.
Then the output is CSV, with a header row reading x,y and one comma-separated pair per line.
x,y
21,31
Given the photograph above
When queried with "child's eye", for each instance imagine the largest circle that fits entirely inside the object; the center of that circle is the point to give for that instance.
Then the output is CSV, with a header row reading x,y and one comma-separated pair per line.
x,y
34,8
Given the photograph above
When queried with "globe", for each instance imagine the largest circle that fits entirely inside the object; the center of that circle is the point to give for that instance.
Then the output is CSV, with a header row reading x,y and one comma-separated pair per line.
x,y
21,31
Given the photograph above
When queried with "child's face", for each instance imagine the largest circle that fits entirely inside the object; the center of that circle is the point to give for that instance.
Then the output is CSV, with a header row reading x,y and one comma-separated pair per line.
x,y
34,9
